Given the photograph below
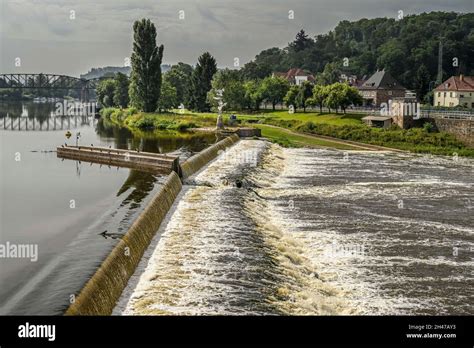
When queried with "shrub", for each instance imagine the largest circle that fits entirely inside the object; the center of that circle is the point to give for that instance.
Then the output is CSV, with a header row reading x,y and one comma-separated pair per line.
x,y
106,112
428,127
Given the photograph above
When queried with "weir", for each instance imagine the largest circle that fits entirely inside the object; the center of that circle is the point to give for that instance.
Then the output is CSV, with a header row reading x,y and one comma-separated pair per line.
x,y
101,293
146,161
196,162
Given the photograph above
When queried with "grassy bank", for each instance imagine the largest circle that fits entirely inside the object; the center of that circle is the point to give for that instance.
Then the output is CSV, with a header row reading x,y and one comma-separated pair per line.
x,y
345,127
287,138
139,121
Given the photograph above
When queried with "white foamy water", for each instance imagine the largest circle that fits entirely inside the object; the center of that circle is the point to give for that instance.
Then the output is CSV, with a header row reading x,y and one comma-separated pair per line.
x,y
313,232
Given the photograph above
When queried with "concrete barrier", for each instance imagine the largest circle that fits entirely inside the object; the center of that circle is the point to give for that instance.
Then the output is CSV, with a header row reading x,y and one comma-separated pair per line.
x,y
100,294
196,162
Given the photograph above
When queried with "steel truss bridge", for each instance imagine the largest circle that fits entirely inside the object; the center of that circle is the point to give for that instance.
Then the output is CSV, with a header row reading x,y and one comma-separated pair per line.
x,y
49,81
51,123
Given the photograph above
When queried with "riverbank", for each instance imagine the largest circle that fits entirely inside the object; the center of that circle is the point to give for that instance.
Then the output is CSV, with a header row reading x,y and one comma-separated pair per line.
x,y
347,127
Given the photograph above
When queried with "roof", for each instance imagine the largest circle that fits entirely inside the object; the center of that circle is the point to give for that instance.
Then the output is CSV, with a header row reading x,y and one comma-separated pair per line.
x,y
381,80
457,83
292,73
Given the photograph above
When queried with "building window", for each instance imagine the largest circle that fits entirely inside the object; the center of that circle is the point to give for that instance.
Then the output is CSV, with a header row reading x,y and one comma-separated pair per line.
x,y
445,94
461,96
439,104
439,94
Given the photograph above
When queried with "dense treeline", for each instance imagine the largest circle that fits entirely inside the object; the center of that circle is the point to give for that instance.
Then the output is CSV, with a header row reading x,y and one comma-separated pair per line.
x,y
408,48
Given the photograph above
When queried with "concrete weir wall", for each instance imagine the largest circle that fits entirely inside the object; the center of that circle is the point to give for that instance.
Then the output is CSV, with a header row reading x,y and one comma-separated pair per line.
x,y
100,294
196,162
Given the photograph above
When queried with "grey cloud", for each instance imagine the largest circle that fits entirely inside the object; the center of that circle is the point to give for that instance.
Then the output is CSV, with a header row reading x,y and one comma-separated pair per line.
x,y
101,35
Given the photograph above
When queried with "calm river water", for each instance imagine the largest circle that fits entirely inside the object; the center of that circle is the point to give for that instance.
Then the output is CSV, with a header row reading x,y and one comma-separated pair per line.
x,y
62,207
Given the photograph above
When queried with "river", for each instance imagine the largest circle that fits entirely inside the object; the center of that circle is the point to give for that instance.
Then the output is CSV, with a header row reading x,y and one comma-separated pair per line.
x,y
314,232
64,207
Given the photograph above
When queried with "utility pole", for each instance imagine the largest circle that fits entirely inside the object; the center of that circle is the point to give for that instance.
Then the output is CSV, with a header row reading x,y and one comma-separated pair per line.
x,y
439,79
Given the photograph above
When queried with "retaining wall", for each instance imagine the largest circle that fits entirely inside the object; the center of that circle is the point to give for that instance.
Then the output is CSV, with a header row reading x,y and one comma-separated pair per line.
x,y
101,293
462,129
196,162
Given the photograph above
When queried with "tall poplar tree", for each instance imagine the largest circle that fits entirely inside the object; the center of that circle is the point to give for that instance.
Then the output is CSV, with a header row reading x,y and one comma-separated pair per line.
x,y
201,82
145,86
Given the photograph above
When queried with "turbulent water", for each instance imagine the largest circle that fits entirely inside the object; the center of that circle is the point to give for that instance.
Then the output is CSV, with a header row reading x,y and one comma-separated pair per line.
x,y
267,230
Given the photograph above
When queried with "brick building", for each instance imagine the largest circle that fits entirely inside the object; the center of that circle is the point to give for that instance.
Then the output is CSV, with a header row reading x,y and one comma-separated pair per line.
x,y
380,88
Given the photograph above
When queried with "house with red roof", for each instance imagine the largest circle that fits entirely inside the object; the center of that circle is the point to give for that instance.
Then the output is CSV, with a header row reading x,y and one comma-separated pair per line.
x,y
295,76
455,91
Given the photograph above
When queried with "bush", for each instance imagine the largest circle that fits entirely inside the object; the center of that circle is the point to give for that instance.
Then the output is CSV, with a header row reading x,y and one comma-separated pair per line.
x,y
132,111
414,139
144,123
106,112
428,127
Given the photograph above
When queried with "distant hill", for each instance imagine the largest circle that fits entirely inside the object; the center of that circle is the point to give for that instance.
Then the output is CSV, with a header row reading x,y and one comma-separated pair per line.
x,y
112,70
408,48
108,70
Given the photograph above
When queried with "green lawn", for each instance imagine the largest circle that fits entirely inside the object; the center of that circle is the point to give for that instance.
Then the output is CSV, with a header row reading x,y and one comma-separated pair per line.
x,y
288,138
266,116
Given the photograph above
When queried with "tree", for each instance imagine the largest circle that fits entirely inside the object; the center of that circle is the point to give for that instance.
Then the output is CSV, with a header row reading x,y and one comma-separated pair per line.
x,y
302,42
169,97
145,86
274,89
342,95
253,94
179,76
201,82
264,64
290,97
234,91
320,94
334,97
105,92
305,91
330,75
350,96
422,81
120,97
400,46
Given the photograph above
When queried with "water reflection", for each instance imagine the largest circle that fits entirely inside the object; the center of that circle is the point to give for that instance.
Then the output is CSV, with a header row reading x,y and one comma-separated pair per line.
x,y
35,196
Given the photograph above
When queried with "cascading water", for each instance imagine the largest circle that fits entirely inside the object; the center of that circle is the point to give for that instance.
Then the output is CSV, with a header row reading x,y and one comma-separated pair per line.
x,y
267,230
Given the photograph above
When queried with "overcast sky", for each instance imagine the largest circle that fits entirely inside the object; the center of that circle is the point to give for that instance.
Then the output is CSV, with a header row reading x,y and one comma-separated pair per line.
x,y
43,35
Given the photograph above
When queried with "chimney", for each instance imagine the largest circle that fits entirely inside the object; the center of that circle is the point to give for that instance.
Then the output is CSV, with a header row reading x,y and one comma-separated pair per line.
x,y
461,77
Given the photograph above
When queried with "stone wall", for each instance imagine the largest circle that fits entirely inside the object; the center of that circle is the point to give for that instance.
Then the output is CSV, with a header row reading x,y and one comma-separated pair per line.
x,y
462,129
